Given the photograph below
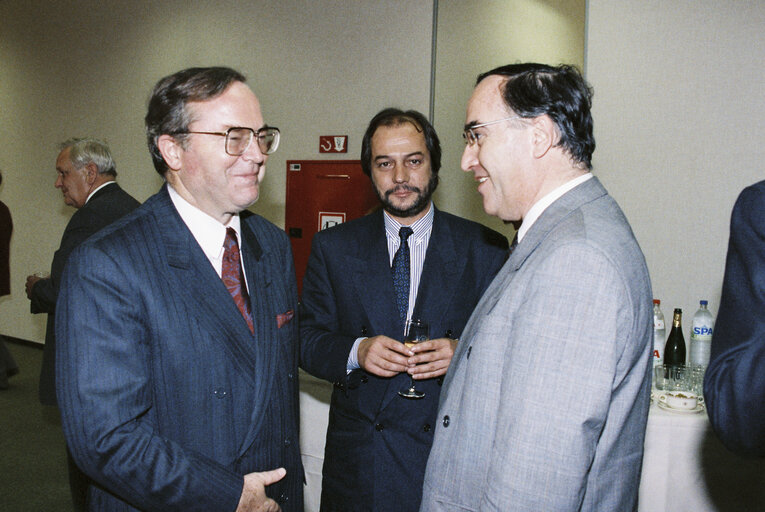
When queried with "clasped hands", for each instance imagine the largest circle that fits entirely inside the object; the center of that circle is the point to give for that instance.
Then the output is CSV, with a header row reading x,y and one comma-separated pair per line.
x,y
31,281
386,357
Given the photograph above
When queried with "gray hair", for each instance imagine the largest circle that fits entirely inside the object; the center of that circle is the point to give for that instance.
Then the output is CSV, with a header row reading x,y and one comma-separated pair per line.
x,y
86,150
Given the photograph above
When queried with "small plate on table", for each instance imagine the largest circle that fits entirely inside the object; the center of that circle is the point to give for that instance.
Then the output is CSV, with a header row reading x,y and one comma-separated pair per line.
x,y
697,409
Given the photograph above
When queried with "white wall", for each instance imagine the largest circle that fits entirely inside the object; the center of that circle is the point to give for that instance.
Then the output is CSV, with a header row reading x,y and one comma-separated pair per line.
x,y
86,67
474,37
679,123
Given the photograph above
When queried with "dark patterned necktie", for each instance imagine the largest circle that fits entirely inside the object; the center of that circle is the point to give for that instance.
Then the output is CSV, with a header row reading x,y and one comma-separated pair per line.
x,y
233,276
400,271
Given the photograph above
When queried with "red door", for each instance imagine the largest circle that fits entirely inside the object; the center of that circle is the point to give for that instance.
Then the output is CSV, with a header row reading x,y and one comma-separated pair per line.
x,y
322,194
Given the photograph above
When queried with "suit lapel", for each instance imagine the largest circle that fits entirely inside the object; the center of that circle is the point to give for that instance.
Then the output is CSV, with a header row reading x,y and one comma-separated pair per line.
x,y
259,269
554,215
549,220
438,284
199,286
372,277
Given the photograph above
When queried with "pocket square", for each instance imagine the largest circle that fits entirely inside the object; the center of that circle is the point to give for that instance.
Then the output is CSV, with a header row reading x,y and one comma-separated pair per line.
x,y
283,319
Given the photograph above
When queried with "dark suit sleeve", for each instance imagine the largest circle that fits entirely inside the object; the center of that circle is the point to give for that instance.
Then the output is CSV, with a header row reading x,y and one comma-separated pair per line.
x,y
323,352
105,366
735,380
45,291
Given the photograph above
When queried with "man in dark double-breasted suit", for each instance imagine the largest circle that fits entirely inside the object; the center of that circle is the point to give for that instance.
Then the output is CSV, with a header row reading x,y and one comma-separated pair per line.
x,y
86,177
178,350
85,174
354,313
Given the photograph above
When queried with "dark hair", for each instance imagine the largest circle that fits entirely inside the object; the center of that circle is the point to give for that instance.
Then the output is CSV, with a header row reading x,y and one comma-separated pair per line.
x,y
167,113
533,90
397,117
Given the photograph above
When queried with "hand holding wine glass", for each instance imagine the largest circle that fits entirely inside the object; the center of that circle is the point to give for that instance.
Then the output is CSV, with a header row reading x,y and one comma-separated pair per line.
x,y
416,332
432,358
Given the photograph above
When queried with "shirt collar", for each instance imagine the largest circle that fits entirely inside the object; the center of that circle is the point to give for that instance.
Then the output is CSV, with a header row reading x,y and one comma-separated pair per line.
x,y
208,232
541,205
99,188
420,229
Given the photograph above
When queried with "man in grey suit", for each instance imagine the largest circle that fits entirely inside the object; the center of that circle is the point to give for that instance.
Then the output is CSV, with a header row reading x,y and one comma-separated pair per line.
x,y
545,404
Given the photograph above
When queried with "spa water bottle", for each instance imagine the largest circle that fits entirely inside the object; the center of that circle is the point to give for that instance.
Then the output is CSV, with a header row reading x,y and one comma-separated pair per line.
x,y
701,335
659,333
674,349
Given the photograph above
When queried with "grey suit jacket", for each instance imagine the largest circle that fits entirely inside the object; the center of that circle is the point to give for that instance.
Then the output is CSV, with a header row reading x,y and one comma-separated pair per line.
x,y
545,405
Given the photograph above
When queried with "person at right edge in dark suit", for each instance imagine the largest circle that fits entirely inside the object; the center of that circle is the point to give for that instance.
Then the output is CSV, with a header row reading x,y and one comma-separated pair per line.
x,y
352,321
86,177
734,384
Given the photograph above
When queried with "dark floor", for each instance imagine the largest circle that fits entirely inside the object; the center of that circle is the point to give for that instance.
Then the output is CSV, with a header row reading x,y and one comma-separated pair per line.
x,y
33,471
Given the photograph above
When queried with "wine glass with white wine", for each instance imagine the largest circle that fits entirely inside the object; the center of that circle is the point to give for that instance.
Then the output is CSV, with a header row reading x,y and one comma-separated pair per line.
x,y
416,331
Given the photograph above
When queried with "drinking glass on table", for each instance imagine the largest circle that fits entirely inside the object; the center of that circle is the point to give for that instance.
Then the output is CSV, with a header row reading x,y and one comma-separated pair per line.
x,y
416,331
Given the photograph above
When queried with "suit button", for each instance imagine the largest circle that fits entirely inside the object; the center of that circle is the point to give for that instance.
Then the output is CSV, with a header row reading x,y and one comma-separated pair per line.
x,y
287,442
363,330
290,376
282,498
469,349
364,379
426,428
446,420
379,427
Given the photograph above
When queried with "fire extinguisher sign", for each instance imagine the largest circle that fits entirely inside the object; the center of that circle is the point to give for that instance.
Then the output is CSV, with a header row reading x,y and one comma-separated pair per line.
x,y
329,219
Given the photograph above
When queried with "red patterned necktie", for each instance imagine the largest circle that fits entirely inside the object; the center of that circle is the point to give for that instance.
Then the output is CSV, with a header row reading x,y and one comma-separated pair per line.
x,y
233,277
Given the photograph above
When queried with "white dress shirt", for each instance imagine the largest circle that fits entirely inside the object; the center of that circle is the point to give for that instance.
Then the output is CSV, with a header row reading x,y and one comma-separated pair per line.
x,y
110,182
540,206
418,247
207,231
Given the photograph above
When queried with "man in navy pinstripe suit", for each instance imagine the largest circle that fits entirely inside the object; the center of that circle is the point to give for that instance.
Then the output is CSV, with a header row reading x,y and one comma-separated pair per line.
x,y
177,391
352,321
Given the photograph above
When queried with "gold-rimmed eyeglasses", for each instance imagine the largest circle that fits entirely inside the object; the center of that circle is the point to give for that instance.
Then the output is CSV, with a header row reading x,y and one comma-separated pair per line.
x,y
238,139
471,137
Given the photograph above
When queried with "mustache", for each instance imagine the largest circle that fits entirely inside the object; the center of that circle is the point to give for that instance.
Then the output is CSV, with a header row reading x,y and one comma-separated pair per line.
x,y
399,188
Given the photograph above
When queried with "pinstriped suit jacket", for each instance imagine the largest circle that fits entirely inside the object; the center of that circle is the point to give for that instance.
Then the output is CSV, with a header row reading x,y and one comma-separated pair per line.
x,y
545,404
166,397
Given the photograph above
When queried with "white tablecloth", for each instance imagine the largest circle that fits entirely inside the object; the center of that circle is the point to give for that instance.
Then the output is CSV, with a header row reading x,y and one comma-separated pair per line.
x,y
685,467
314,416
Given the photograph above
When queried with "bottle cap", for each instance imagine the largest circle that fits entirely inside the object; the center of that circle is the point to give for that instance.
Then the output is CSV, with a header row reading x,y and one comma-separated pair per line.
x,y
703,302
656,301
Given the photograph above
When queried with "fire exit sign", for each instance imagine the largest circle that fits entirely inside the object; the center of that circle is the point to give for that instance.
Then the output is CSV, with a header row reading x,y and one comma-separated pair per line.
x,y
333,143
